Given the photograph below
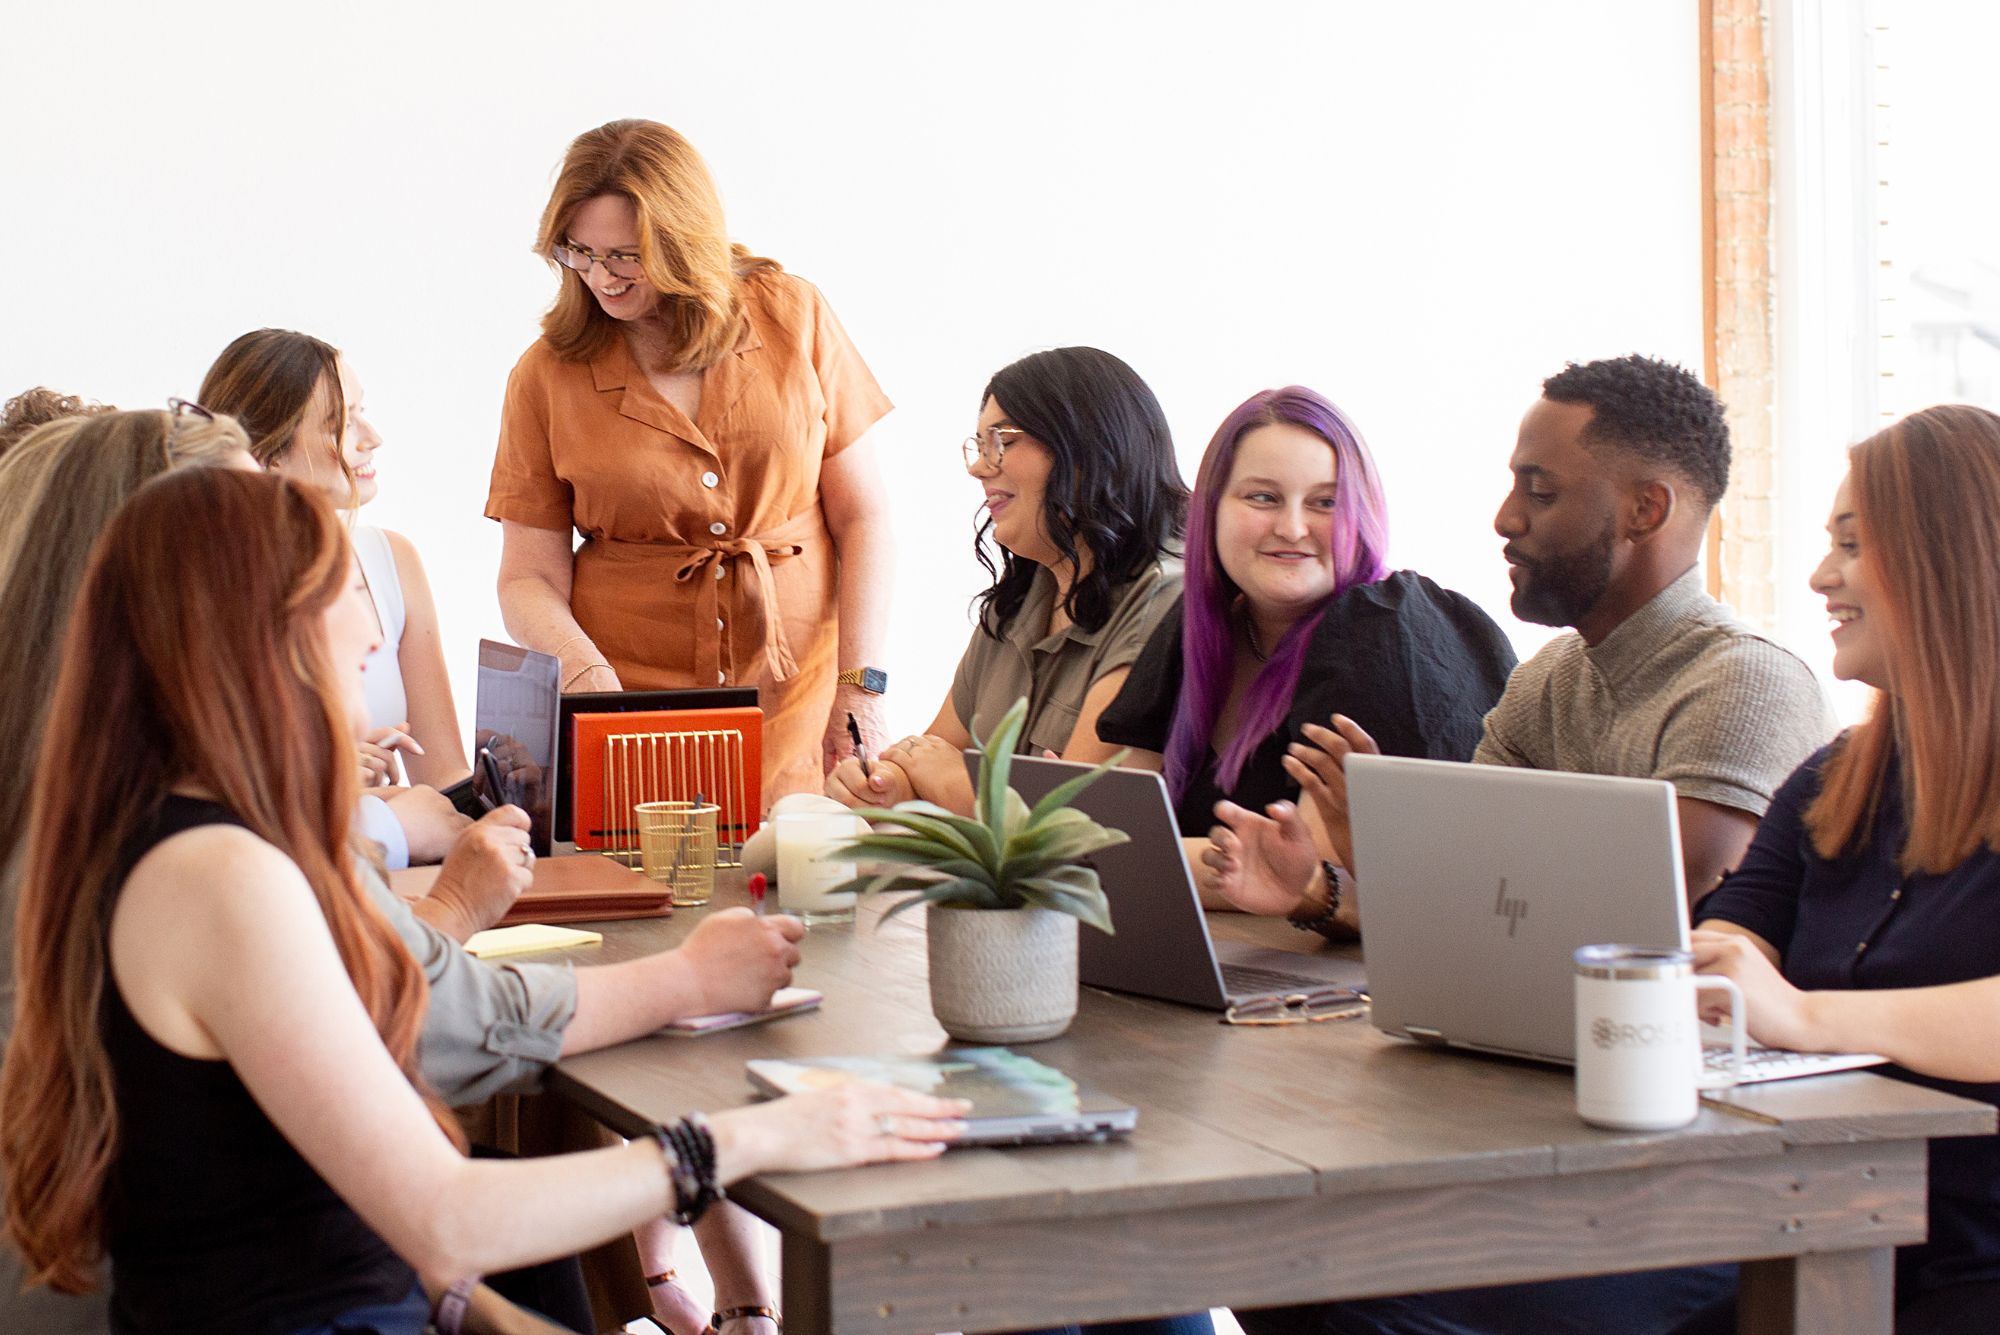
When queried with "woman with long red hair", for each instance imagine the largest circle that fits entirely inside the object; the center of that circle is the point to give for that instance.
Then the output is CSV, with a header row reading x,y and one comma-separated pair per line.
x,y
212,1074
1866,915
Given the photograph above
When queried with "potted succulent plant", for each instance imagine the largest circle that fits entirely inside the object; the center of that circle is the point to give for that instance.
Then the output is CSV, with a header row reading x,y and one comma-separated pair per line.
x,y
1007,888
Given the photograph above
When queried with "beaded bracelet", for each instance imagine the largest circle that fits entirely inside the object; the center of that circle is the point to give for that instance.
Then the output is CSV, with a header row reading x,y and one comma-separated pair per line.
x,y
689,1148
1325,921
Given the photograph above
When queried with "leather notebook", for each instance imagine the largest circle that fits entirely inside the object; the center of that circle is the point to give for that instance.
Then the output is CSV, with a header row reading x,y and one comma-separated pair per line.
x,y
571,887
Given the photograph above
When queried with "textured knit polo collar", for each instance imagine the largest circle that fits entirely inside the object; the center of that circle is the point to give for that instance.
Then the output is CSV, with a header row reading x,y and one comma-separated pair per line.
x,y
1639,637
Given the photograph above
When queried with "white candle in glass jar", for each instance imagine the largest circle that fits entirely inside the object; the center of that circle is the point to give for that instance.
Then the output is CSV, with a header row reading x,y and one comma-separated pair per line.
x,y
804,872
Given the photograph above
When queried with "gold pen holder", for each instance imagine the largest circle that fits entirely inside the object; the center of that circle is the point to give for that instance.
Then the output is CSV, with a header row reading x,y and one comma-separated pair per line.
x,y
667,768
677,848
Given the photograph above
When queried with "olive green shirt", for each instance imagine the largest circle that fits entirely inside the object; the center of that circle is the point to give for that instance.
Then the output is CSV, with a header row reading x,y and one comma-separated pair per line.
x,y
1055,671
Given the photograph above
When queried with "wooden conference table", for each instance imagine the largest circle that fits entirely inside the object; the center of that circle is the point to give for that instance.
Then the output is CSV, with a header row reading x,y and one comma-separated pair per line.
x,y
1283,1165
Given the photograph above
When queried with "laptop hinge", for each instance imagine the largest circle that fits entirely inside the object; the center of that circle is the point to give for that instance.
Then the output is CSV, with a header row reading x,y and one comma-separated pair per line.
x,y
1423,1035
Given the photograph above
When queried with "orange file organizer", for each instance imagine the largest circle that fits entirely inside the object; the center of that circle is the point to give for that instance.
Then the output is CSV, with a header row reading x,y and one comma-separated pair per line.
x,y
621,760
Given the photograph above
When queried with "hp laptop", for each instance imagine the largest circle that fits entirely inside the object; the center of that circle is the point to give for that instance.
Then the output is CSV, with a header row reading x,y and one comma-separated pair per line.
x,y
1162,947
1479,882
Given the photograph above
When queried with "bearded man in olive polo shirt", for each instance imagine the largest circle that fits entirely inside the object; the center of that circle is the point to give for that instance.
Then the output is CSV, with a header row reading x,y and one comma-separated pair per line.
x,y
1617,469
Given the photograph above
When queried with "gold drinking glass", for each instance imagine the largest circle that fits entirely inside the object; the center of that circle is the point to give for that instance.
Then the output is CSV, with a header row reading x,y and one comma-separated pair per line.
x,y
677,848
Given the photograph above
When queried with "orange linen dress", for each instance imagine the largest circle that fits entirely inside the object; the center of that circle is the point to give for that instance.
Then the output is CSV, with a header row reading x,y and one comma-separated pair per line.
x,y
705,560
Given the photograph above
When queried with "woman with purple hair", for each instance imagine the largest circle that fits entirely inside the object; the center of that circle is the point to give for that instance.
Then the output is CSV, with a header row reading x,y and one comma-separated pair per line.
x,y
1291,613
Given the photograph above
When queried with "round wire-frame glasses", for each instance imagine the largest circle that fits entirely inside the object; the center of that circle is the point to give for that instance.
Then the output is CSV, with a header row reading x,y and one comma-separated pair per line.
x,y
1314,1007
988,445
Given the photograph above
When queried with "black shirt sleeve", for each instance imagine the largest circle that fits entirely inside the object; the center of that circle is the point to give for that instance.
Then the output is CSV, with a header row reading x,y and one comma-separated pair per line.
x,y
1142,713
1762,894
1416,665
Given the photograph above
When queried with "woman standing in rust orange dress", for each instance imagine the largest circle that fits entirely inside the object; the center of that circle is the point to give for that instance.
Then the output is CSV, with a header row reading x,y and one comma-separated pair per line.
x,y
700,418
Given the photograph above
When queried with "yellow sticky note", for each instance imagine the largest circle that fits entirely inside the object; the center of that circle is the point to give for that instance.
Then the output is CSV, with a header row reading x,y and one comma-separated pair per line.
x,y
526,938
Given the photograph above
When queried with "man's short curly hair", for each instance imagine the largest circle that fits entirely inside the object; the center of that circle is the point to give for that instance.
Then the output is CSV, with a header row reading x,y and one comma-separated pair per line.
x,y
37,407
1652,410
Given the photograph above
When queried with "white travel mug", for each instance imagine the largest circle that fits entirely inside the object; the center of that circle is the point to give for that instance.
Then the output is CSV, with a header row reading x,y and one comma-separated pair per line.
x,y
1638,1037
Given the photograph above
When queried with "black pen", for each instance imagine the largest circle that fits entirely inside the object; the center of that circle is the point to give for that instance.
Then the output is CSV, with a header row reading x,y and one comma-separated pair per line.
x,y
860,751
489,769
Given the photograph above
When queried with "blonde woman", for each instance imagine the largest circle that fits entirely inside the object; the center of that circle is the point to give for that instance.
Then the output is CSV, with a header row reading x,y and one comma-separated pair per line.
x,y
301,402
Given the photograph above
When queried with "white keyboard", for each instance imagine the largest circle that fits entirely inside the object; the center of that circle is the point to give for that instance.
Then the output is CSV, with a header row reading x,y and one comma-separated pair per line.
x,y
1762,1063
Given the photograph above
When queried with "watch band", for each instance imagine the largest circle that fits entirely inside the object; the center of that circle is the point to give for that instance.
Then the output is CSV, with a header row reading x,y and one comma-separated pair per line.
x,y
453,1304
872,680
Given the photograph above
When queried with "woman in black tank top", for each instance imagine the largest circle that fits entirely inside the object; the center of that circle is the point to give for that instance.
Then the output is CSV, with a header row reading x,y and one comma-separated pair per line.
x,y
201,1171
212,1072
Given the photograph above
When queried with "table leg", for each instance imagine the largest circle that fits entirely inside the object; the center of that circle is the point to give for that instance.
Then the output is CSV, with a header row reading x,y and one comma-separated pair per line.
x,y
806,1276
1827,1293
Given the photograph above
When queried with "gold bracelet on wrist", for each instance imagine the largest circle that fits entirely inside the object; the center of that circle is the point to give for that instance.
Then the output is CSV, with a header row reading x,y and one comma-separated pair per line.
x,y
587,667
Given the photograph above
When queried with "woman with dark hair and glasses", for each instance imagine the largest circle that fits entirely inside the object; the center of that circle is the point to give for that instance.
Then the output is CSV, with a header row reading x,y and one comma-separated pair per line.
x,y
1086,504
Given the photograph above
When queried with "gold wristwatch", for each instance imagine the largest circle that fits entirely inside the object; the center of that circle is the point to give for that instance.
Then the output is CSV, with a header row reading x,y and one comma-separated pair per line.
x,y
872,680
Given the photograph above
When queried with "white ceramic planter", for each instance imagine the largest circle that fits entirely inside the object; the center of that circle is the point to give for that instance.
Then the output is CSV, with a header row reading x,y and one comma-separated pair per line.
x,y
1002,975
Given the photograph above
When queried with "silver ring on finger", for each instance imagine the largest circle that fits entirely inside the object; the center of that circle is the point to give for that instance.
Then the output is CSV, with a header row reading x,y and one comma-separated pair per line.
x,y
885,1124
527,856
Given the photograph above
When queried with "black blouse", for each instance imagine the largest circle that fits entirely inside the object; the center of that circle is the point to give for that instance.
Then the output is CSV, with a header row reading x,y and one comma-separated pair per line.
x,y
1416,665
1858,922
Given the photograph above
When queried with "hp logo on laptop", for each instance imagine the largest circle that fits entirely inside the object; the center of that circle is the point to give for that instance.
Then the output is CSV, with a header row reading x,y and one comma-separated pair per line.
x,y
1513,910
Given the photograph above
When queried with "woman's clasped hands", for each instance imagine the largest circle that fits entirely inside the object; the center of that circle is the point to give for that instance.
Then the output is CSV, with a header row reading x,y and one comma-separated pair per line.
x,y
921,765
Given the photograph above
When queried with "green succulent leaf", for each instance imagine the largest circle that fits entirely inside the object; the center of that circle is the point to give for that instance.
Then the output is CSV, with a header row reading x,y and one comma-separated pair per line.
x,y
1059,797
1015,819
898,878
971,894
996,767
1085,905
968,838
1008,855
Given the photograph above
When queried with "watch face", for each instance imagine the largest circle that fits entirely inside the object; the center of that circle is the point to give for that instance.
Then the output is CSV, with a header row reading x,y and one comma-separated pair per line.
x,y
874,680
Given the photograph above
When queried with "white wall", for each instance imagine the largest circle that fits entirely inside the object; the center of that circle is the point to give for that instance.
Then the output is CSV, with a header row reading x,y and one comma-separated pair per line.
x,y
1420,210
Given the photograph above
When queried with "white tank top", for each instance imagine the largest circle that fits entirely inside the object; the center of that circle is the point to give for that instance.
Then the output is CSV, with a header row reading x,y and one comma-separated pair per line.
x,y
382,678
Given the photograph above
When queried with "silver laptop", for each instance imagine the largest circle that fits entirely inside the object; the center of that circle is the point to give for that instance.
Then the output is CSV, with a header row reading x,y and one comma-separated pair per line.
x,y
1479,882
1162,947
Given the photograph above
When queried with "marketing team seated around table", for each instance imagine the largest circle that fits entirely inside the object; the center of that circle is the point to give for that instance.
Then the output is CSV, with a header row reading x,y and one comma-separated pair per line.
x,y
233,1047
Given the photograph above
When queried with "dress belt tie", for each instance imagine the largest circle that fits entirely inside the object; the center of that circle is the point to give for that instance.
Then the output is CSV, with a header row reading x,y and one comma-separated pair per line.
x,y
781,543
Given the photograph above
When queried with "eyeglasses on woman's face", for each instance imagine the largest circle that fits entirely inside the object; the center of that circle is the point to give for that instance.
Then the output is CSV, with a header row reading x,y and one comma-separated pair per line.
x,y
618,263
988,445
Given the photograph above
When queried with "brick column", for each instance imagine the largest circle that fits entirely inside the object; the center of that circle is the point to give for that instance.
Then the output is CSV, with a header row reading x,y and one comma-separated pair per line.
x,y
1737,304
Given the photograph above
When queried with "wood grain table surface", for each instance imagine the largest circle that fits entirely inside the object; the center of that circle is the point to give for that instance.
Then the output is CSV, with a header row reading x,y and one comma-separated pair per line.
x,y
1282,1164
